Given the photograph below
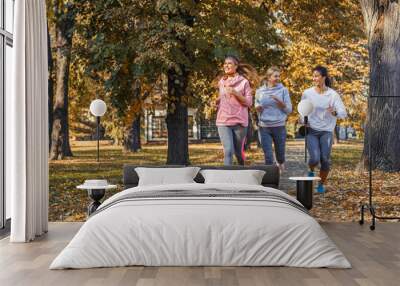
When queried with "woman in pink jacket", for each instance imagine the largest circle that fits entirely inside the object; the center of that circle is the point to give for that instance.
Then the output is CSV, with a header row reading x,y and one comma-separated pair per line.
x,y
235,99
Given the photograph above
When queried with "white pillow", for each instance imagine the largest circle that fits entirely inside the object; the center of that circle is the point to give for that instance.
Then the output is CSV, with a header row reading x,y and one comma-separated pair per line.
x,y
248,177
166,176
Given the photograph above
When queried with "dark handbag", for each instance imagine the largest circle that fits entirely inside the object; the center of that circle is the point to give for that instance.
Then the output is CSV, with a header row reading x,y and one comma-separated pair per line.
x,y
303,129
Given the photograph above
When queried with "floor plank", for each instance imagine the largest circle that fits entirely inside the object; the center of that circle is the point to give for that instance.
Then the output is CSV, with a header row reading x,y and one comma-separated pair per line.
x,y
375,257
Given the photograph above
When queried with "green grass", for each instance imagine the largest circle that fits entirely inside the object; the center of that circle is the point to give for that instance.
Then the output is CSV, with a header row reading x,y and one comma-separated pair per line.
x,y
69,203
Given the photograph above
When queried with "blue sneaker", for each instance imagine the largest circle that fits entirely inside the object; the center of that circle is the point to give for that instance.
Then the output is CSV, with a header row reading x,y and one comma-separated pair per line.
x,y
320,188
310,174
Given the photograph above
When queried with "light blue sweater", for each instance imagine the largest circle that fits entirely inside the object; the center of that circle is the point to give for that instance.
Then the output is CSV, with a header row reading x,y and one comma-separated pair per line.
x,y
272,115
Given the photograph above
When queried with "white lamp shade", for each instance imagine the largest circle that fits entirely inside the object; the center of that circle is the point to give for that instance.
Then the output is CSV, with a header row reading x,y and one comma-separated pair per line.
x,y
98,107
305,107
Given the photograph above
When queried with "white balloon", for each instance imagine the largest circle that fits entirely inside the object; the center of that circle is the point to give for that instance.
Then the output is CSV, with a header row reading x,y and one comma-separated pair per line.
x,y
98,107
305,107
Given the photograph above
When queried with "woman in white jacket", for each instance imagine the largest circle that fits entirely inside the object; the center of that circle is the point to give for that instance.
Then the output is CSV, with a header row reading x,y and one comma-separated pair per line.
x,y
328,106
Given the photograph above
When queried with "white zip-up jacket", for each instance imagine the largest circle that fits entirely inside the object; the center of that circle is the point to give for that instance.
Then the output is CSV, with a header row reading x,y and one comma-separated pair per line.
x,y
321,119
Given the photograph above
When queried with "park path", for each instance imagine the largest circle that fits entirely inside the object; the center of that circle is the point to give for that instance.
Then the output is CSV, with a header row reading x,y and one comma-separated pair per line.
x,y
295,165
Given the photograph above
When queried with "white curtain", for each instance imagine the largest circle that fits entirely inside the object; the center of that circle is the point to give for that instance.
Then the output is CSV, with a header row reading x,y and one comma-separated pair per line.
x,y
27,124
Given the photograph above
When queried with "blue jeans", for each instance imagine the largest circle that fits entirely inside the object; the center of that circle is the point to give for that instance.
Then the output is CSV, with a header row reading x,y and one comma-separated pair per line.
x,y
233,139
276,135
319,146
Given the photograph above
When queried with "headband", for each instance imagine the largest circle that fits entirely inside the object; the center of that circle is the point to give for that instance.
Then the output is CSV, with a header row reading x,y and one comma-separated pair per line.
x,y
235,59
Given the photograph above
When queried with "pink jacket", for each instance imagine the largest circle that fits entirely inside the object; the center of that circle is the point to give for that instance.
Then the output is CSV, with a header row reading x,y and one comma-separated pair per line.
x,y
230,110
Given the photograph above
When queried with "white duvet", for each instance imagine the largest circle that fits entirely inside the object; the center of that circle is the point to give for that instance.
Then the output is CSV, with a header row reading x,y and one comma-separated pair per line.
x,y
200,231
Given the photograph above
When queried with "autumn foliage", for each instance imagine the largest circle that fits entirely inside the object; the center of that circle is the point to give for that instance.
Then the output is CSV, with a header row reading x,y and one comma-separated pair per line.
x,y
123,50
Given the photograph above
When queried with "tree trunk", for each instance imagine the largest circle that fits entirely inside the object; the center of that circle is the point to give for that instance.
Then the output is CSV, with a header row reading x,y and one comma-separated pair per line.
x,y
177,119
132,141
177,111
382,136
50,86
60,131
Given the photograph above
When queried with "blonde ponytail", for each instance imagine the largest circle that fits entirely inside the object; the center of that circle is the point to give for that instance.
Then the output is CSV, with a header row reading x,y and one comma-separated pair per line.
x,y
250,73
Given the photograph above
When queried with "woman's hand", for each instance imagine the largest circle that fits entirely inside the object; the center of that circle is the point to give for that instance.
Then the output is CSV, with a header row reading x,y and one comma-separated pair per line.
x,y
231,91
331,110
280,103
259,108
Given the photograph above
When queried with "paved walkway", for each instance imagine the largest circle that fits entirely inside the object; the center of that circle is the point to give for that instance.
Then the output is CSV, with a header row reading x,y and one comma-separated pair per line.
x,y
295,166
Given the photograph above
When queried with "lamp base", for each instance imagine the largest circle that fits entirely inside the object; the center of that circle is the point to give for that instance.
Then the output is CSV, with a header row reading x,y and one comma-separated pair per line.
x,y
305,193
96,195
374,217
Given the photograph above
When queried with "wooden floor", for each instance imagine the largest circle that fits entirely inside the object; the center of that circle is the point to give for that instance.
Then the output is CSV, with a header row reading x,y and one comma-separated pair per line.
x,y
375,257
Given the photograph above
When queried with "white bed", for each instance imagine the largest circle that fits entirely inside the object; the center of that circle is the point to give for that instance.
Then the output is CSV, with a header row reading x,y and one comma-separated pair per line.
x,y
202,231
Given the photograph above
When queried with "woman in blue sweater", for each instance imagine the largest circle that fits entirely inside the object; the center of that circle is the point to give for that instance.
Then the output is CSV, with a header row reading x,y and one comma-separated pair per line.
x,y
272,102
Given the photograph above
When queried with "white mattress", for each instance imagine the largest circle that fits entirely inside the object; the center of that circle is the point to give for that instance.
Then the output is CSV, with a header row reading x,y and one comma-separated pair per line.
x,y
200,231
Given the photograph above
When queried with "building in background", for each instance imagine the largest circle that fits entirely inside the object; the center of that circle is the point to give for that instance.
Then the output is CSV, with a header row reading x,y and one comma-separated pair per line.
x,y
155,126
